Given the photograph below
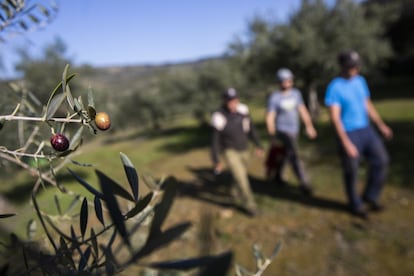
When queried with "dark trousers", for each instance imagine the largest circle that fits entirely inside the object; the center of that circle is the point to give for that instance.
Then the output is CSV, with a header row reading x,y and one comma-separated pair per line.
x,y
292,156
371,147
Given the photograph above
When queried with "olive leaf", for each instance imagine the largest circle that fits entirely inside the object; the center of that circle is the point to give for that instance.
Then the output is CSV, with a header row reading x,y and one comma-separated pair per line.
x,y
91,105
132,176
98,210
83,217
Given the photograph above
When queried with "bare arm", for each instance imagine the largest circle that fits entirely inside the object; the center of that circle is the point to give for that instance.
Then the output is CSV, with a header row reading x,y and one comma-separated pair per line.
x,y
270,123
376,118
307,120
335,114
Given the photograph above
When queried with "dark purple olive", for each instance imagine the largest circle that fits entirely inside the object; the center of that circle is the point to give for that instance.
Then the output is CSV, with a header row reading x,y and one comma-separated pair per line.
x,y
59,142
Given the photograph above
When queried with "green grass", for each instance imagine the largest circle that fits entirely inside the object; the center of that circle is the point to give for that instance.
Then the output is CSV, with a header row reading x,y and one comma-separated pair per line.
x,y
319,237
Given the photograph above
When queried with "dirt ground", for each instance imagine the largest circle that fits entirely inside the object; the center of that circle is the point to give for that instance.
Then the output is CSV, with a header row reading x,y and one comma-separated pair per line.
x,y
318,235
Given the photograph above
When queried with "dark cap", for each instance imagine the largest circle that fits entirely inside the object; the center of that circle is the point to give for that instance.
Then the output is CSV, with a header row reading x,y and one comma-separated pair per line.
x,y
230,94
349,59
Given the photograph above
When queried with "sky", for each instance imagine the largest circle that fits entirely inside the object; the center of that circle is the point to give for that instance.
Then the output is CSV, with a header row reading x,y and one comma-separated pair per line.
x,y
137,32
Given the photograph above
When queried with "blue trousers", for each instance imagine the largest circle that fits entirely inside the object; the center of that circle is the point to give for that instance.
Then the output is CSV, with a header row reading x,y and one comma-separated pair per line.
x,y
371,147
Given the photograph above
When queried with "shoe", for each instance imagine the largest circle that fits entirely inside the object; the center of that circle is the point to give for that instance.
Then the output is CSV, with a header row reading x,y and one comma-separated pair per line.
x,y
373,205
360,212
251,212
306,190
280,182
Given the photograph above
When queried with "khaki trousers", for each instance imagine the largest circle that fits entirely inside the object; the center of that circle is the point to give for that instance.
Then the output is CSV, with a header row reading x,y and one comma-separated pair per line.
x,y
237,164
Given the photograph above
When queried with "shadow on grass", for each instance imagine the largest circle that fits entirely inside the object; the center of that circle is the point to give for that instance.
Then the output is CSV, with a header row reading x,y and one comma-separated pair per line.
x,y
400,150
215,189
21,193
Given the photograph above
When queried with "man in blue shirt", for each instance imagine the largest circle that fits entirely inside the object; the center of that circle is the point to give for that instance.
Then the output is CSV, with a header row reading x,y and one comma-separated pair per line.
x,y
351,110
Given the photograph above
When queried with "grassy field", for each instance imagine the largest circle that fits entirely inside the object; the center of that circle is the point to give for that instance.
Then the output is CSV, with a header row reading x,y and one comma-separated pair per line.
x,y
319,236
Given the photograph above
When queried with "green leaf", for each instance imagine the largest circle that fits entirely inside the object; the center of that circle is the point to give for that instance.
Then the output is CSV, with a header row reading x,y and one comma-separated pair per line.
x,y
276,250
69,98
132,175
57,204
6,215
52,95
115,187
34,18
39,215
94,242
257,253
86,184
91,105
98,210
113,207
84,216
84,258
81,164
76,140
31,229
54,105
66,253
72,204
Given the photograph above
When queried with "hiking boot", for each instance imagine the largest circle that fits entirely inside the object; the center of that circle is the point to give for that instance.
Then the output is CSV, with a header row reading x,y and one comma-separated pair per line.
x,y
373,205
306,190
360,212
280,182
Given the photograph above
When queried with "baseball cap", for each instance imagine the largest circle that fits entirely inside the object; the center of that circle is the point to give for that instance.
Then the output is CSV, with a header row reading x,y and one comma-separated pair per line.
x,y
284,74
230,94
349,59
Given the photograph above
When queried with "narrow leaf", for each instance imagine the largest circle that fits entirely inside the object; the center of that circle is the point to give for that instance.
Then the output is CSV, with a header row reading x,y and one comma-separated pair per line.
x,y
276,250
94,242
31,229
76,139
6,215
54,105
39,215
72,204
84,259
57,204
115,187
91,104
98,210
131,174
113,207
86,184
84,217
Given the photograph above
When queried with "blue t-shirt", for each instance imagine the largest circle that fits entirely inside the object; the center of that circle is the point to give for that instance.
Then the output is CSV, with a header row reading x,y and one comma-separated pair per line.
x,y
350,95
286,107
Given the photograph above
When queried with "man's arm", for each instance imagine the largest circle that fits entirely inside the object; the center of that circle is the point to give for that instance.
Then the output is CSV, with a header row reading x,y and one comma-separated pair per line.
x,y
376,118
335,114
307,121
270,123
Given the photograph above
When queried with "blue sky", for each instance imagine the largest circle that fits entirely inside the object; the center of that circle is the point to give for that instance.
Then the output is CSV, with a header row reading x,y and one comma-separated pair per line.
x,y
133,32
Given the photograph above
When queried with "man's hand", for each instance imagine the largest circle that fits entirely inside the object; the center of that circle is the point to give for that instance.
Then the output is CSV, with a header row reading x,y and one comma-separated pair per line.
x,y
386,131
259,152
218,168
311,132
351,150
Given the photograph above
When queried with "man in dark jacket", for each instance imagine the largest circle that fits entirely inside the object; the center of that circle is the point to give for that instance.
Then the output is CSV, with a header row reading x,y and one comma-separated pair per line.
x,y
232,129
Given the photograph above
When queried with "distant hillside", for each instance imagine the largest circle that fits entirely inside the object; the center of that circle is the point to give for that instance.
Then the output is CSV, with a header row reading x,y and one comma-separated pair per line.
x,y
121,78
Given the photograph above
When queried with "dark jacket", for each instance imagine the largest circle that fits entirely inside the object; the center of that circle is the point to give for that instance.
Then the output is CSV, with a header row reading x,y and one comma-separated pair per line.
x,y
232,131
